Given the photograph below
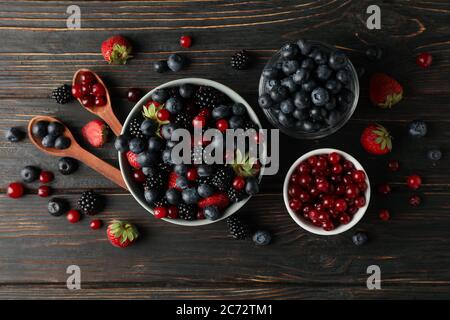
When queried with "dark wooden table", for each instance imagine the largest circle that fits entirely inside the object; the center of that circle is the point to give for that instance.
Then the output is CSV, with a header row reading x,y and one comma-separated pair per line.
x,y
38,54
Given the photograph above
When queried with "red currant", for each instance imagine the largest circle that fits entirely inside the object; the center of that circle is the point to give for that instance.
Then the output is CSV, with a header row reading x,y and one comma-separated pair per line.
x,y
192,174
86,77
323,186
172,212
328,225
336,168
139,176
358,176
344,218
334,158
303,196
415,200
98,90
200,214
313,214
160,212
424,60
362,186
185,41
384,189
323,216
304,180
88,101
384,214
15,190
46,176
352,210
239,183
295,204
85,89
95,224
360,202
340,189
76,91
205,112
312,161
414,181
303,168
100,101
340,205
199,121
134,94
44,191
222,125
294,190
393,165
73,216
347,165
163,115
321,164
328,201
351,191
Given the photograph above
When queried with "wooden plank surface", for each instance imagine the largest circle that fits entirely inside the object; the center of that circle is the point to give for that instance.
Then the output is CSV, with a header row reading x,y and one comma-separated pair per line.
x,y
39,53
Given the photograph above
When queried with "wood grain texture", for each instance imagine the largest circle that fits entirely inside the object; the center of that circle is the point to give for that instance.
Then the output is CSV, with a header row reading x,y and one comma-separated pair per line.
x,y
172,262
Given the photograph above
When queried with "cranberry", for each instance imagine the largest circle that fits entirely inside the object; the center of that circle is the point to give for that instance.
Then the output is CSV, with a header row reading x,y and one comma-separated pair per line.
x,y
44,191
185,41
15,190
328,201
95,224
200,214
303,196
222,125
360,202
134,94
303,168
340,189
323,216
172,212
307,208
86,77
393,165
336,169
294,178
340,205
321,164
192,174
139,176
295,204
86,89
415,200
323,186
314,192
334,158
413,181
313,214
239,183
76,91
160,212
294,191
199,121
304,180
100,101
352,210
312,161
88,101
163,115
347,165
362,186
73,216
424,60
384,189
335,178
384,215
46,176
98,90
328,225
358,176
319,207
344,218
347,180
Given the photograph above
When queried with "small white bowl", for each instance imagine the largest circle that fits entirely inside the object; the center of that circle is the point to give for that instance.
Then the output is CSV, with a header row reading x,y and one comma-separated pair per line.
x,y
125,167
308,225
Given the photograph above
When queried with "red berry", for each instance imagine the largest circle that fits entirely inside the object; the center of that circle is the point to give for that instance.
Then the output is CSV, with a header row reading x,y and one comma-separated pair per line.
x,y
340,205
313,214
328,225
393,165
424,60
100,101
347,180
362,186
323,186
415,200
413,181
312,161
86,77
352,210
321,164
344,218
334,157
304,180
185,41
44,191
294,191
360,202
336,168
222,125
303,168
295,204
163,115
347,165
199,121
323,216
239,183
85,89
303,196
98,90
358,176
15,190
351,191
384,215
200,214
192,174
73,216
88,101
95,224
328,201
384,189
46,176
139,176
134,94
172,212
76,91
205,112
160,212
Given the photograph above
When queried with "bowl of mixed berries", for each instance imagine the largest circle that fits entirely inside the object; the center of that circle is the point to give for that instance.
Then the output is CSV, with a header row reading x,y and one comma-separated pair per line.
x,y
190,187
308,89
326,191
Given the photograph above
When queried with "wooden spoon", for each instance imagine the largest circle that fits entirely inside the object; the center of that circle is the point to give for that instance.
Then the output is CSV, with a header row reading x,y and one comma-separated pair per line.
x,y
77,152
104,112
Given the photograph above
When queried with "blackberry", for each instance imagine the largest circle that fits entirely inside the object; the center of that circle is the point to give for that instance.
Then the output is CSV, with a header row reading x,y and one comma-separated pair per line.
x,y
223,178
208,97
134,128
187,211
183,120
236,195
90,202
62,94
240,60
204,180
237,228
250,125
154,182
164,167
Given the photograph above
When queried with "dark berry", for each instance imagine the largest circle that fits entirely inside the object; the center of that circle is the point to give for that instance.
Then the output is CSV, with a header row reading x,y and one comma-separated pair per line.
x,y
323,72
343,76
261,238
174,105
121,143
62,143
417,129
151,196
289,67
434,154
148,127
186,90
289,51
57,206
337,60
237,228
15,134
175,62
48,141
239,109
333,86
319,96
173,196
309,85
190,195
251,186
134,94
240,60
15,190
374,53
30,174
62,94
301,76
39,129
55,129
415,200
160,95
90,202
359,238
160,66
211,213
279,93
287,106
137,145
304,46
67,165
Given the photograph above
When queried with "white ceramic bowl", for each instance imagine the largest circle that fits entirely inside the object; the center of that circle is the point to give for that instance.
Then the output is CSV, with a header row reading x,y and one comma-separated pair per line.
x,y
126,169
308,225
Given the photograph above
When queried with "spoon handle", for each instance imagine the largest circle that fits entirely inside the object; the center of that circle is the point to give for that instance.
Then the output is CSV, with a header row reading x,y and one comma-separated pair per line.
x,y
111,119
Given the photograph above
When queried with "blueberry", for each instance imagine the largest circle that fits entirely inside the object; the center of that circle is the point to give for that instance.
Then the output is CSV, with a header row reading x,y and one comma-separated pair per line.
x,y
333,85
180,169
48,141
251,186
149,127
285,120
287,106
55,129
304,46
289,51
239,109
331,104
271,73
279,93
190,195
359,238
121,143
315,113
160,95
204,170
166,156
265,101
175,62
67,165
317,125
290,66
417,129
309,85
337,60
182,182
289,83
323,72
343,76
151,196
30,174
15,134
307,126
205,190
320,96
302,100
221,112
212,213
40,129
374,53
300,114
57,206
155,143
147,158
167,130
186,90
307,64
300,76
261,238
137,145
236,122
344,99
333,118
434,154
360,71
62,143
149,171
160,66
319,56
174,105
273,83
173,196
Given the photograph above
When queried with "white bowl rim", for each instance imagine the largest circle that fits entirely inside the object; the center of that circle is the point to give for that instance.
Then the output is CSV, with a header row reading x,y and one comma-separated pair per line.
x,y
234,96
307,225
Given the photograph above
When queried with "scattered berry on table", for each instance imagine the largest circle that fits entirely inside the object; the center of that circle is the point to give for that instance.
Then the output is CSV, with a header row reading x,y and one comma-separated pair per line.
x,y
415,200
237,228
46,176
73,216
44,191
67,165
240,60
15,134
360,238
90,202
385,91
434,154
134,94
95,133
15,190
384,214
376,139
417,129
185,41
95,224
374,53
57,206
261,238
116,50
424,60
160,66
393,165
62,94
30,174
384,189
122,234
175,62
414,181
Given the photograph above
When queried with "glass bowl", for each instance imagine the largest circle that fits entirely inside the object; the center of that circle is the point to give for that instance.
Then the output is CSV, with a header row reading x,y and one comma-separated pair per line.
x,y
345,115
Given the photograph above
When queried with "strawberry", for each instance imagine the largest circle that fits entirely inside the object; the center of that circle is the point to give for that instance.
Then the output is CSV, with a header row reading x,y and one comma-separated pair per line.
x,y
172,181
122,234
375,139
384,90
116,50
219,200
131,157
95,132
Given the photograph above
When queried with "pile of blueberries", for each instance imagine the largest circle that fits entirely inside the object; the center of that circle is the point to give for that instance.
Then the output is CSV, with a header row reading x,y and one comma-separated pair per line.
x,y
307,88
51,134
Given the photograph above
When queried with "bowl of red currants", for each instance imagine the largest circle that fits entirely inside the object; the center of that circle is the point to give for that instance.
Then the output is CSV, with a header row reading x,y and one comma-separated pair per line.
x,y
326,191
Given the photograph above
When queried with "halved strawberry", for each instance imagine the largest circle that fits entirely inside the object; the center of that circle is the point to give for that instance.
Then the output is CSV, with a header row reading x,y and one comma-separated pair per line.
x,y
172,181
384,90
131,157
219,199
95,133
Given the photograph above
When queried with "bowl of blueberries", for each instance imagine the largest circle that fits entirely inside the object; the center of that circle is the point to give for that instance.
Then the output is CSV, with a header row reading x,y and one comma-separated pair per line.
x,y
308,89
